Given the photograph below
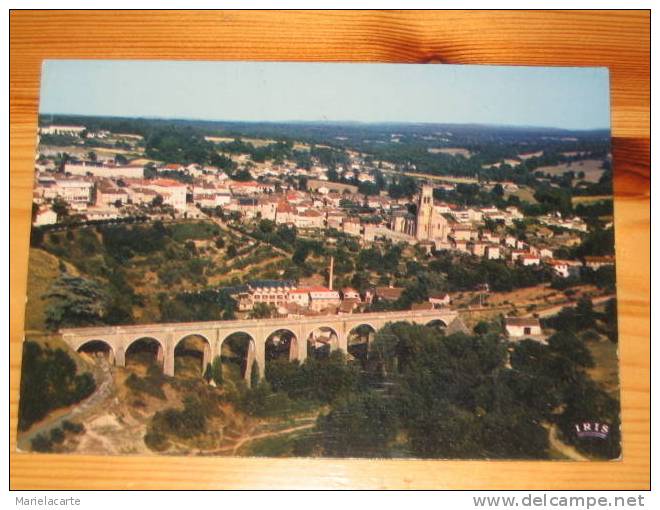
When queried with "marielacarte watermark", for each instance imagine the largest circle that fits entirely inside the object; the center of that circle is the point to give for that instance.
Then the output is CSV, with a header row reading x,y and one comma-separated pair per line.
x,y
47,501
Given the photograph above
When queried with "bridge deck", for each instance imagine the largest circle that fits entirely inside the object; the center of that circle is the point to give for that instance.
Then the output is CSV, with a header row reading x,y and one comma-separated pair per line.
x,y
176,326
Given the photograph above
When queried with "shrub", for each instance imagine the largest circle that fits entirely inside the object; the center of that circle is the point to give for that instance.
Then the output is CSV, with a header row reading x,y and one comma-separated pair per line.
x,y
41,443
149,385
74,428
57,435
156,441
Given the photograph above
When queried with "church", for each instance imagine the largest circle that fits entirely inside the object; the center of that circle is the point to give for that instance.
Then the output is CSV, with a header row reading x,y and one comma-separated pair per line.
x,y
431,224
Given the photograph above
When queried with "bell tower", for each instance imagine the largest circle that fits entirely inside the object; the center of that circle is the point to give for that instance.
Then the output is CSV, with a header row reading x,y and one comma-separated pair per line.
x,y
424,228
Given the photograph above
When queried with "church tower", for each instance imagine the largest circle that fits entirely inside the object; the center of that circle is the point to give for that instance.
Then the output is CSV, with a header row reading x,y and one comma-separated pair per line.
x,y
425,214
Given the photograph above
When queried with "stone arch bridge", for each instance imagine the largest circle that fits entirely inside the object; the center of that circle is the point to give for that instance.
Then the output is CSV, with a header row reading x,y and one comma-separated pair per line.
x,y
169,335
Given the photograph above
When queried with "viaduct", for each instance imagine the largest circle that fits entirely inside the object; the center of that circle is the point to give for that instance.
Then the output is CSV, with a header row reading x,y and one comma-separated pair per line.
x,y
302,330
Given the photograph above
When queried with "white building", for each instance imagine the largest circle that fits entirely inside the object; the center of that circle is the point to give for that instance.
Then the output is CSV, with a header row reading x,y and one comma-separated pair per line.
x,y
75,192
45,216
62,130
104,170
322,298
523,327
173,192
565,268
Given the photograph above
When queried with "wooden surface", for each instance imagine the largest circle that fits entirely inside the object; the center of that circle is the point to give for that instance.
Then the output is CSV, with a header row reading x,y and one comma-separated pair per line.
x,y
619,40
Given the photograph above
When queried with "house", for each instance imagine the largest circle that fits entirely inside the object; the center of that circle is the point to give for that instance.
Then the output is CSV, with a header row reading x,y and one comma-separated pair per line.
x,y
108,193
530,260
440,300
388,293
173,192
516,254
348,305
173,167
462,233
299,296
564,268
107,170
308,219
62,130
478,248
270,292
351,226
545,253
45,216
493,252
75,192
323,298
518,328
596,263
350,293
461,245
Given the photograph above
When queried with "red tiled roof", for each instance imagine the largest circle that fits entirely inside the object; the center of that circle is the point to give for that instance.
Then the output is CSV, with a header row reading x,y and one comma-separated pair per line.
x,y
167,183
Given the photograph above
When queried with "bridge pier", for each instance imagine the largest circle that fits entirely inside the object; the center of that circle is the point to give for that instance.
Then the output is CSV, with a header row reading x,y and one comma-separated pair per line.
x,y
120,358
168,361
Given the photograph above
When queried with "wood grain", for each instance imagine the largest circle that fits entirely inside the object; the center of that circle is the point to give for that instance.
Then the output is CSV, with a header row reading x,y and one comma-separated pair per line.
x,y
619,40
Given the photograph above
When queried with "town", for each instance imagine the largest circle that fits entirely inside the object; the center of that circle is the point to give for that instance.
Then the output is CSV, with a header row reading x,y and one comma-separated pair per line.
x,y
312,198
259,273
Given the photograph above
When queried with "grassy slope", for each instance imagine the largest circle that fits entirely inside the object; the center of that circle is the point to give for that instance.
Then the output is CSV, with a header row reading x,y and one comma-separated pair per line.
x,y
43,270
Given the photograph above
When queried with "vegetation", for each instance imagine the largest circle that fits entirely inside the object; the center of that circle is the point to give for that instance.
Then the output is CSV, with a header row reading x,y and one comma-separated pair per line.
x,y
49,380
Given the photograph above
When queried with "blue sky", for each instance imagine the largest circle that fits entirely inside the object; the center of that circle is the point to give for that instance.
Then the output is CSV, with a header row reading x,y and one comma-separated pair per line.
x,y
564,97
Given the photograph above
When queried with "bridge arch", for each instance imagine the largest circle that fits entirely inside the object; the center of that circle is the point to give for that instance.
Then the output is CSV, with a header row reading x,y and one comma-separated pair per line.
x,y
281,342
238,353
321,340
145,350
358,339
437,323
192,352
96,347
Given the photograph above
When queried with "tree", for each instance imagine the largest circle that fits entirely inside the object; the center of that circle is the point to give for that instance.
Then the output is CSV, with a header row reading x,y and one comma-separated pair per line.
x,y
498,190
120,159
75,301
262,311
60,207
361,425
254,375
157,201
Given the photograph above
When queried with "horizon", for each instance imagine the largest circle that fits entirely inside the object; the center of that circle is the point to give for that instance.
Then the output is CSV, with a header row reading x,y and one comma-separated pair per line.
x,y
568,98
324,122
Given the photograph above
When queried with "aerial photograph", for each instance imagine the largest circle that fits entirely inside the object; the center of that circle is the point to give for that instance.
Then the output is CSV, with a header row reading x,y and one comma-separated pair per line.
x,y
277,259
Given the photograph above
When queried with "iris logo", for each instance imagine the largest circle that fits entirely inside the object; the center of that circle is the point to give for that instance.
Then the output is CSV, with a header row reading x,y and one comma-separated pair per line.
x,y
592,429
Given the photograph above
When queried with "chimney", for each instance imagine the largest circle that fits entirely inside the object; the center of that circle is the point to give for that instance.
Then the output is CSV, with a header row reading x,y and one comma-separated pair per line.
x,y
332,266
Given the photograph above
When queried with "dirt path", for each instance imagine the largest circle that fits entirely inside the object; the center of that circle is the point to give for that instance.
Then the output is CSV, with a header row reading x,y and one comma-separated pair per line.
x,y
563,448
104,389
557,308
233,448
247,439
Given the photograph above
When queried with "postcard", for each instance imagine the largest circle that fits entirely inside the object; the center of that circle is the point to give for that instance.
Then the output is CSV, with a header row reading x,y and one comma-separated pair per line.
x,y
322,260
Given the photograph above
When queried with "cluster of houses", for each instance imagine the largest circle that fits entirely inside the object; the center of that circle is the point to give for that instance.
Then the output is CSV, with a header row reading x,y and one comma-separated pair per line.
x,y
288,299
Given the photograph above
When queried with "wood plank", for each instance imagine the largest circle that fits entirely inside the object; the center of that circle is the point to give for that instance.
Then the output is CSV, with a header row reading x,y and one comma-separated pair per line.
x,y
619,40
